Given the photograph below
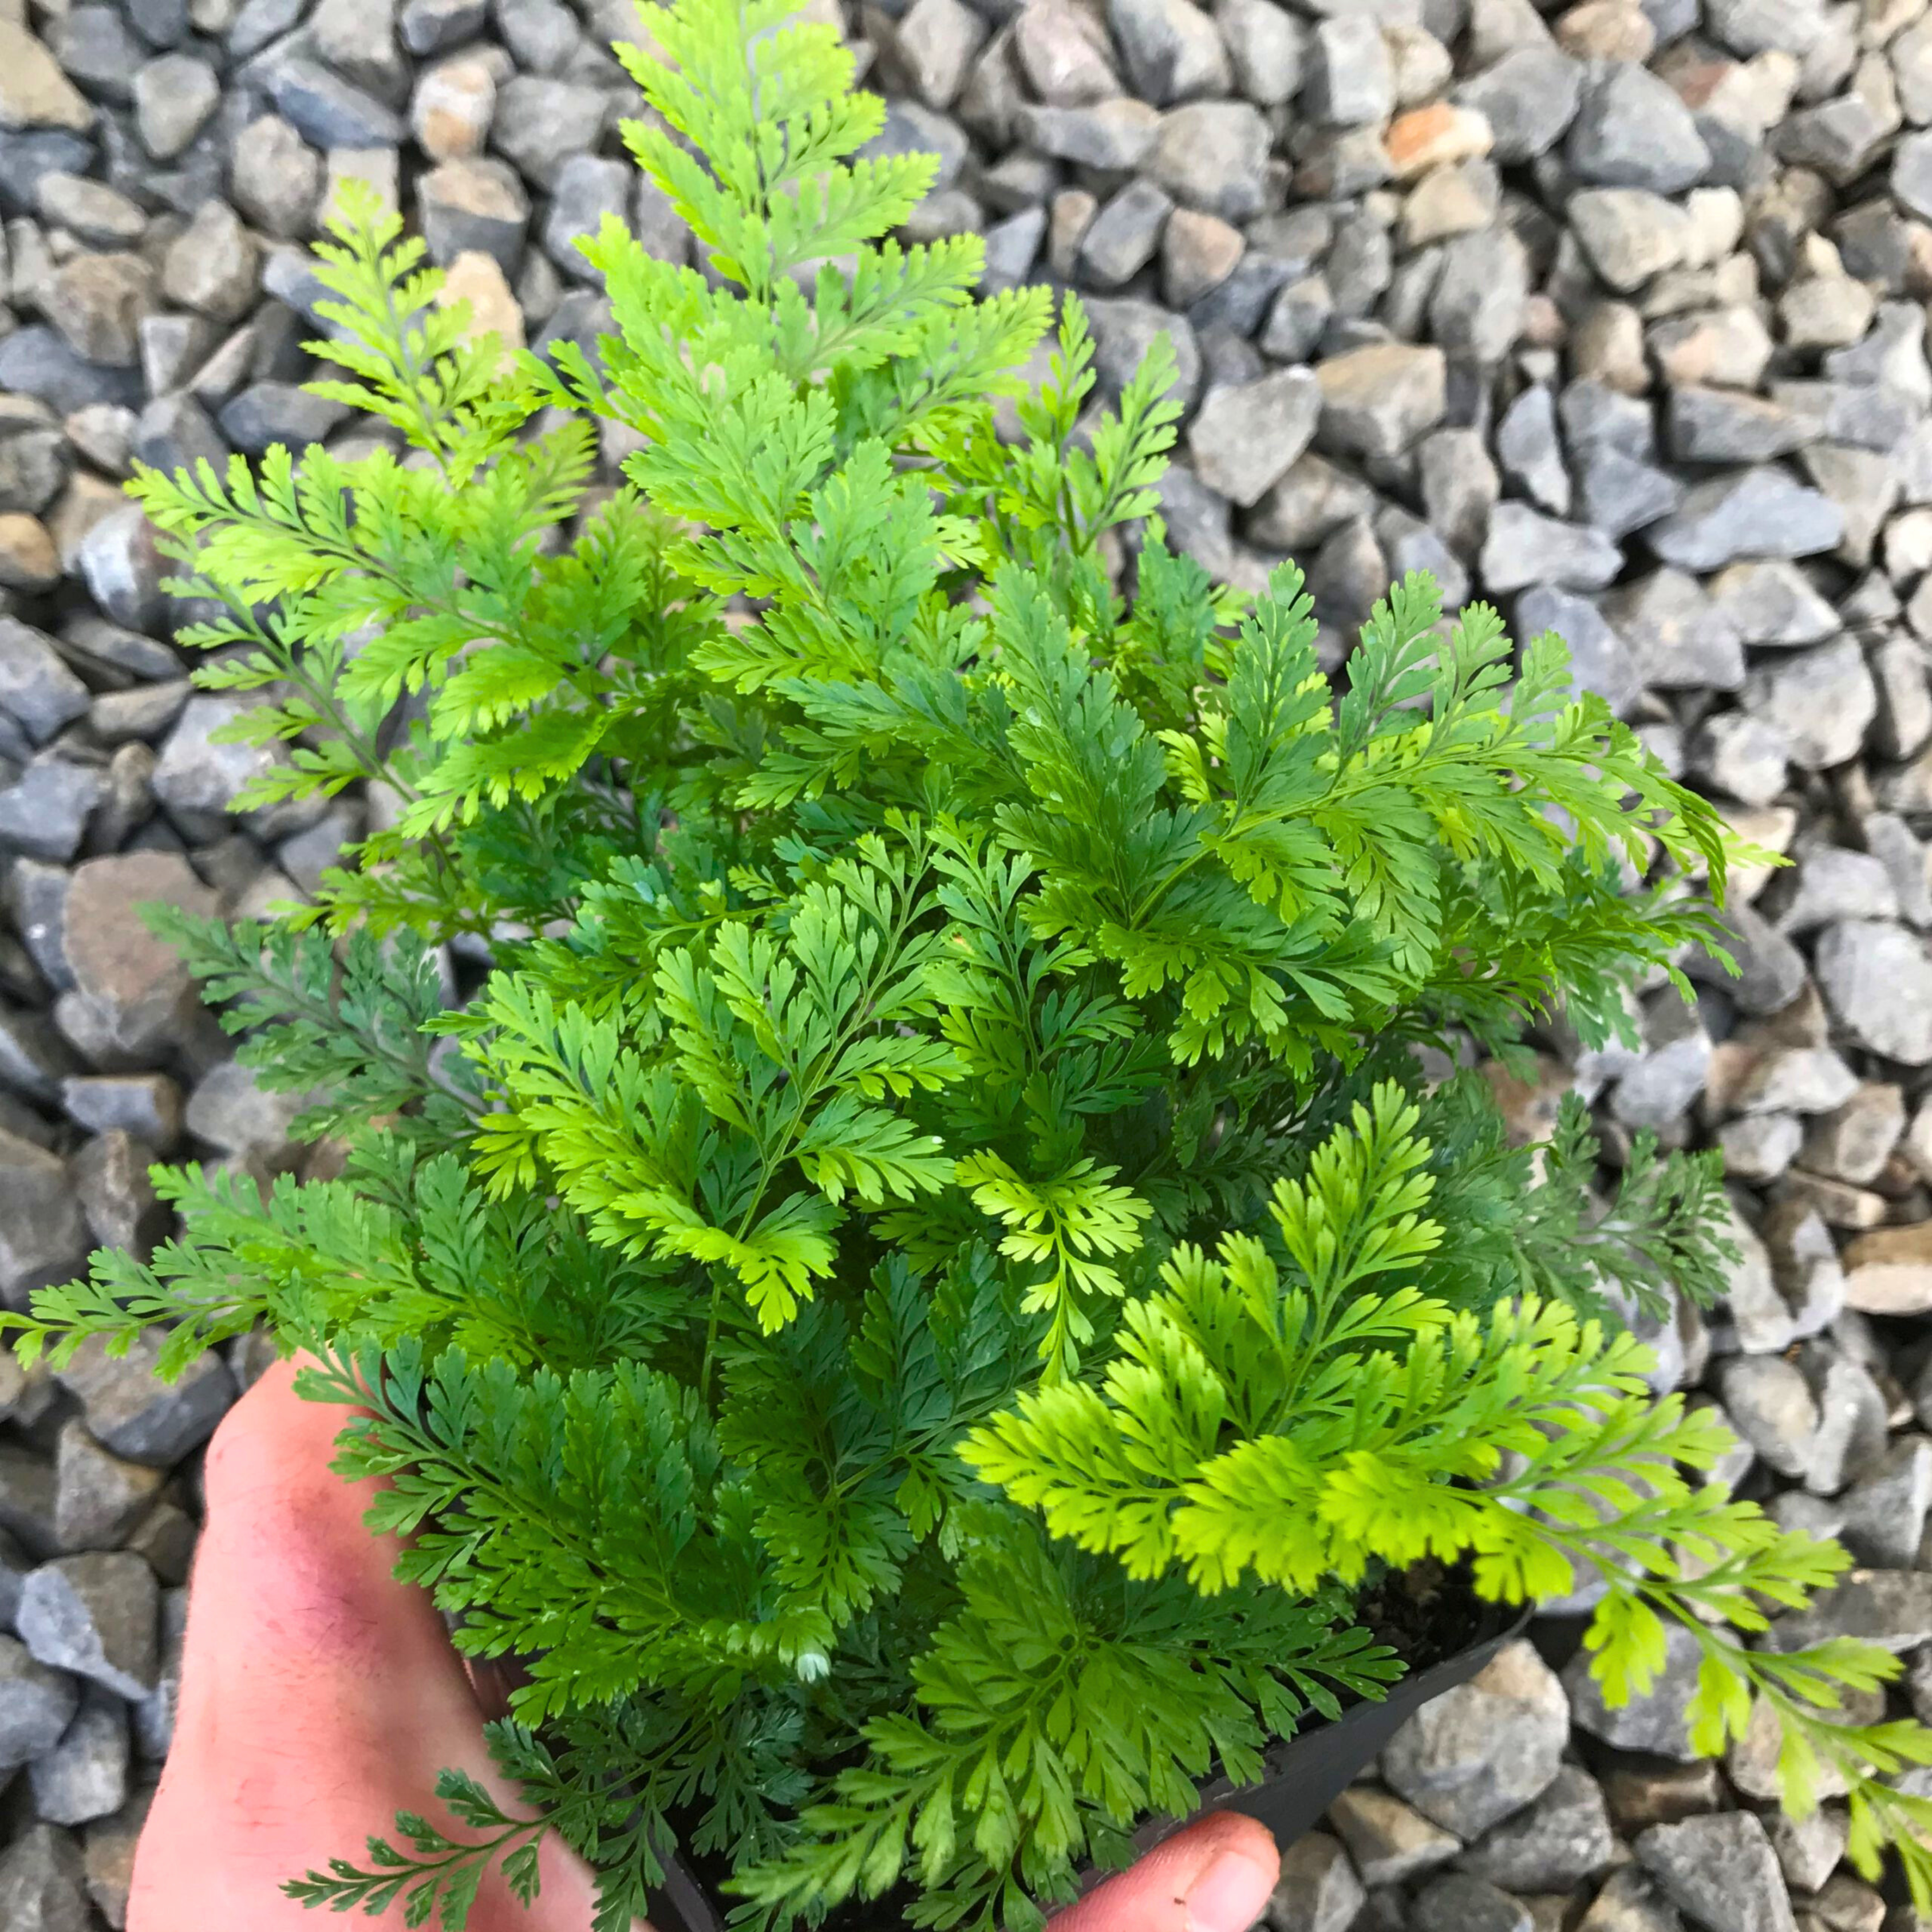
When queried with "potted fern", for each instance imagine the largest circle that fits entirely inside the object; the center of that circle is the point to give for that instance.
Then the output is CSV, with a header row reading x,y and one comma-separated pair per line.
x,y
929,1299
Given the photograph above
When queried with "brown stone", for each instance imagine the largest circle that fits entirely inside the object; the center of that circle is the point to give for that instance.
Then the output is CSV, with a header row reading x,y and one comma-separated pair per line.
x,y
28,558
34,92
476,278
1198,252
1616,30
1432,136
109,1857
451,111
1529,1107
1889,1271
97,301
133,984
1840,1204
1653,1791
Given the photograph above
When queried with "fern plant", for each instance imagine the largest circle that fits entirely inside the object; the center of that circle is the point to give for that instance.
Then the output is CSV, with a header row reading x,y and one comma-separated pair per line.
x,y
931,1279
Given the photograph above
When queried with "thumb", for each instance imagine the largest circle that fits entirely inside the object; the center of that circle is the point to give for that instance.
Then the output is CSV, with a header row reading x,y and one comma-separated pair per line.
x,y
1213,1875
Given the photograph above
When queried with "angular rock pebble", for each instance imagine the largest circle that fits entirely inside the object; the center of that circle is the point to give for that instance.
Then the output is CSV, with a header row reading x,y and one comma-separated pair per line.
x,y
1892,1608
128,991
1758,512
1387,1840
1244,437
1655,1724
1722,1870
84,1776
1551,1845
44,1882
37,1704
1485,1749
98,1497
43,1236
1317,1887
1876,978
1457,1902
132,1412
95,1615
1377,400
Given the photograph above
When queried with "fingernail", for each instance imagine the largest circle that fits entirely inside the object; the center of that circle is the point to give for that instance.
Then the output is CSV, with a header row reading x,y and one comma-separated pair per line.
x,y
1229,1895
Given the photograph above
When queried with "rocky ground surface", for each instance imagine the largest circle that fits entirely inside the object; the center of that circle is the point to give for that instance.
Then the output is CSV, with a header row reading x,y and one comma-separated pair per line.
x,y
1613,314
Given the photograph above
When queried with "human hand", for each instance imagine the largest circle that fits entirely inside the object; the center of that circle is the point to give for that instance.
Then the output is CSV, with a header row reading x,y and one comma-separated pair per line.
x,y
319,1697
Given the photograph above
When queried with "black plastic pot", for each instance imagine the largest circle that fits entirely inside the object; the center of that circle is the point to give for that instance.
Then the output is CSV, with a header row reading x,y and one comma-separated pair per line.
x,y
1311,1770
1305,1775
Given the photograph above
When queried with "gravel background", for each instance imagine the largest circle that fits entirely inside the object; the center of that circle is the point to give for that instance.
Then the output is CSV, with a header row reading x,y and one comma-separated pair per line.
x,y
1614,315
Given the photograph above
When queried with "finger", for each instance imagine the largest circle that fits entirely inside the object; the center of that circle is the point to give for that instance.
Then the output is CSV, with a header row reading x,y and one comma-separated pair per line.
x,y
1213,1875
319,1695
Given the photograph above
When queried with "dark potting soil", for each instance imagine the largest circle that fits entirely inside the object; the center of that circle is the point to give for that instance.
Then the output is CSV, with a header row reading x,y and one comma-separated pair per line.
x,y
1429,1611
